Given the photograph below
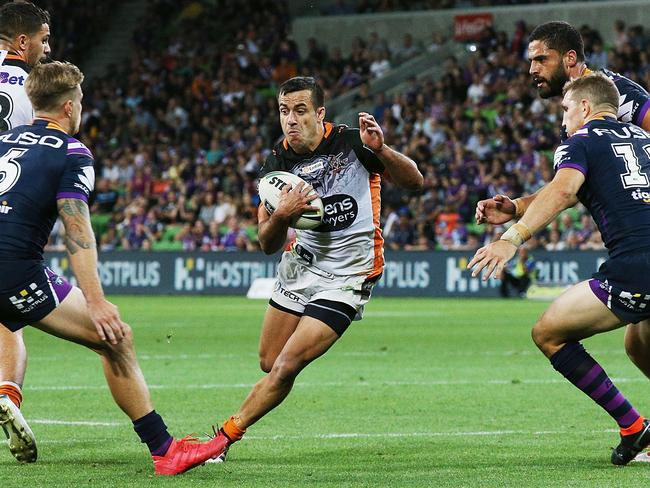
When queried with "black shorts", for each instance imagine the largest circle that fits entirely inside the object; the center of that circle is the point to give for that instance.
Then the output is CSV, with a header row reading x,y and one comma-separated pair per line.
x,y
623,285
29,291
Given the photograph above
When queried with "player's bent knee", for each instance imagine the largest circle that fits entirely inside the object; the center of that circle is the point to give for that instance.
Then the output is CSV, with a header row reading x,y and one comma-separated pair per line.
x,y
285,369
127,334
543,337
124,347
538,335
635,347
266,364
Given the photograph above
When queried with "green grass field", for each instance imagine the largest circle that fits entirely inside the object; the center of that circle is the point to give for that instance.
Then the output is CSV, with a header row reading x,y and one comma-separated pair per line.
x,y
420,393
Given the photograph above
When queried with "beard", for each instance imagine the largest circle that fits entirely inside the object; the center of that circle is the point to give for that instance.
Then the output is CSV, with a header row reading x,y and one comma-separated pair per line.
x,y
553,86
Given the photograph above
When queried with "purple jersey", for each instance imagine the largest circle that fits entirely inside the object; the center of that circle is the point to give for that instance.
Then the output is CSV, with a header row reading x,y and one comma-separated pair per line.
x,y
615,159
39,164
634,100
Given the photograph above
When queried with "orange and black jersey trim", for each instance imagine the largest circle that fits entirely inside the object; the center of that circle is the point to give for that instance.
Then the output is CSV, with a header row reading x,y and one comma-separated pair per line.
x,y
336,138
13,59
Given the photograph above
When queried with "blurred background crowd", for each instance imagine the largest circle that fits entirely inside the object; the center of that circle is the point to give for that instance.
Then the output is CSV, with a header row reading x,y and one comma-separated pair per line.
x,y
180,131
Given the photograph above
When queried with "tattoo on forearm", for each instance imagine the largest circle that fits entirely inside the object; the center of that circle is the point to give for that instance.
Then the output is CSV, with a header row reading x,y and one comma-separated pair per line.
x,y
76,220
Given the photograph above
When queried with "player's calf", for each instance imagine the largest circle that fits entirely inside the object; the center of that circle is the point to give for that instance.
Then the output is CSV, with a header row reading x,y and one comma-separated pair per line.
x,y
637,345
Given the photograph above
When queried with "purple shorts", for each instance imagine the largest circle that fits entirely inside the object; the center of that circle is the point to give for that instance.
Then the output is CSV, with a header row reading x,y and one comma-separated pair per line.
x,y
40,291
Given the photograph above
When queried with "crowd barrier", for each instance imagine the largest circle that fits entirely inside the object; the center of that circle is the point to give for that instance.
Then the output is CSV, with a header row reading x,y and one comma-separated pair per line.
x,y
406,274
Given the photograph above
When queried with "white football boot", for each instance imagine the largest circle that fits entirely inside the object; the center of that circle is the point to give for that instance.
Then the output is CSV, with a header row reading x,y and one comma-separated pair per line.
x,y
21,440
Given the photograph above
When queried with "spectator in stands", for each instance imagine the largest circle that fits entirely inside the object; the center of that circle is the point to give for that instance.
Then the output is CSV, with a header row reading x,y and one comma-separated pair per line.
x,y
518,275
597,58
402,233
408,49
380,65
554,241
223,102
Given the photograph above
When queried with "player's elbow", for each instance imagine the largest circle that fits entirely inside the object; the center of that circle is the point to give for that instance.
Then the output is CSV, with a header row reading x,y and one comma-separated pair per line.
x,y
568,198
417,183
268,247
268,250
413,181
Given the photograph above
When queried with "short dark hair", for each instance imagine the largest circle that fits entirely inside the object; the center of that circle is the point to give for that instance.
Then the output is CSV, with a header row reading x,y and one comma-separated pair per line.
x,y
299,83
21,18
560,36
597,88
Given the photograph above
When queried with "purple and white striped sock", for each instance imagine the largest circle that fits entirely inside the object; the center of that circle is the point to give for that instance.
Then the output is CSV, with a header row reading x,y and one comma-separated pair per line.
x,y
577,366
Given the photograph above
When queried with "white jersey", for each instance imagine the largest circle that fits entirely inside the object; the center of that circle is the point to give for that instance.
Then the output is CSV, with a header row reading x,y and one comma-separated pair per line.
x,y
15,107
346,175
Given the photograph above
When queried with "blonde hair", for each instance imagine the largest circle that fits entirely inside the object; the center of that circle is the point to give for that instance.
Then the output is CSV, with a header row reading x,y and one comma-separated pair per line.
x,y
597,88
50,85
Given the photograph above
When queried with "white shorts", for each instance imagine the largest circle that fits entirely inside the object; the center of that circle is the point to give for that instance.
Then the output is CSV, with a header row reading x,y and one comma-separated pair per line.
x,y
300,284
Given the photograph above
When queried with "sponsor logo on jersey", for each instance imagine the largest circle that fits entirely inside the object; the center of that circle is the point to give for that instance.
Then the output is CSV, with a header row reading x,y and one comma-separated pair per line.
x,y
7,78
5,208
340,213
623,132
31,139
313,168
644,196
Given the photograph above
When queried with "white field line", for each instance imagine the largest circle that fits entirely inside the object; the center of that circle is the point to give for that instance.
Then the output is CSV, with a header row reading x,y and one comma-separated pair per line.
x,y
396,313
78,423
356,435
194,357
357,384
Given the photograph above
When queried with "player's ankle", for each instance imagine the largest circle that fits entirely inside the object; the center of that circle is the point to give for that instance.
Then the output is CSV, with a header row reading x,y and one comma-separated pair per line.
x,y
634,428
233,428
13,392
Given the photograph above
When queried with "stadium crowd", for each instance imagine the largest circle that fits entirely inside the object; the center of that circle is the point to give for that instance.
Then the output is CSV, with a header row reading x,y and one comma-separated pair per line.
x,y
180,133
343,7
75,26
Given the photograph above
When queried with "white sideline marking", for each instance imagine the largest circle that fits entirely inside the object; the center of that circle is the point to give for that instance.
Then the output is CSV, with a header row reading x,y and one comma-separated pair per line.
x,y
396,313
360,435
87,423
353,384
487,433
192,357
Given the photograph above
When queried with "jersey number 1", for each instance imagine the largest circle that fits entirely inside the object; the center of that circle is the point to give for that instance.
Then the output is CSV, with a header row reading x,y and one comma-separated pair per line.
x,y
633,178
10,169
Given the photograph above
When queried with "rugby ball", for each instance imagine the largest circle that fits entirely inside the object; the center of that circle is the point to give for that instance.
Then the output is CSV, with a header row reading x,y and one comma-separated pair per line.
x,y
270,189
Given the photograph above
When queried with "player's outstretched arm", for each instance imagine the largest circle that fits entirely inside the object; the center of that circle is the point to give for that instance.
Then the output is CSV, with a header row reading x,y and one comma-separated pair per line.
x,y
501,209
82,249
402,170
559,194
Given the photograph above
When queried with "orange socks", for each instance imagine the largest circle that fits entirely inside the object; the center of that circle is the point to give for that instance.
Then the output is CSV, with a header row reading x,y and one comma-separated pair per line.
x,y
12,390
232,429
634,428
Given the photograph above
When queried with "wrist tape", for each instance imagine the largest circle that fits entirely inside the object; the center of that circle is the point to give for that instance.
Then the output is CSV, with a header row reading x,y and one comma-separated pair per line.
x,y
517,234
